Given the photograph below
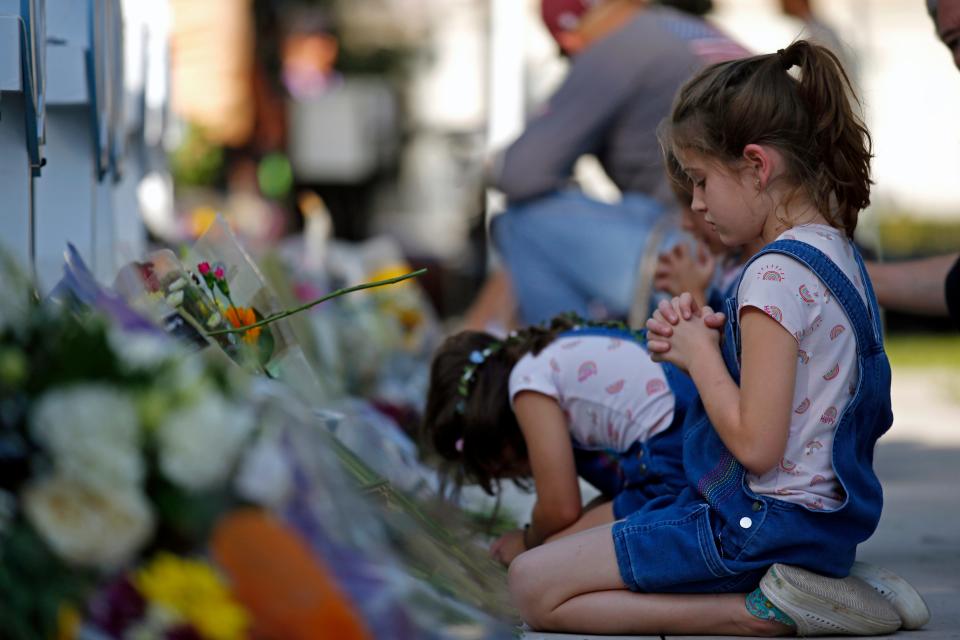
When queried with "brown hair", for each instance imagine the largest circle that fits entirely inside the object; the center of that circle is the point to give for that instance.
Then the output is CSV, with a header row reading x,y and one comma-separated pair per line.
x,y
809,119
485,424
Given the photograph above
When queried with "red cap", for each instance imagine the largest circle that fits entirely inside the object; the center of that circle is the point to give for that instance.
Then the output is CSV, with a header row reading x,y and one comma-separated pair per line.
x,y
560,16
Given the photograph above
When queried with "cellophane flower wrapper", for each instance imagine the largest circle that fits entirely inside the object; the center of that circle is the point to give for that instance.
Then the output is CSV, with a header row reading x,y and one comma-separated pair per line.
x,y
379,342
249,289
402,568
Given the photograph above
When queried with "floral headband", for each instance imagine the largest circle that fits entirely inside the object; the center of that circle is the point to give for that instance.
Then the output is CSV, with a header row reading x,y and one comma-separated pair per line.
x,y
477,357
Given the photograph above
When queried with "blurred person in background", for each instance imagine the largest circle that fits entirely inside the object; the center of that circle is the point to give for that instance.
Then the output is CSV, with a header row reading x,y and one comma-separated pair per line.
x,y
342,131
816,30
929,286
562,250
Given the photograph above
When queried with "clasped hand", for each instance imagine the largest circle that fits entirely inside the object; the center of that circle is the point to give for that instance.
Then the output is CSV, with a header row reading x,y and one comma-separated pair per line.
x,y
679,330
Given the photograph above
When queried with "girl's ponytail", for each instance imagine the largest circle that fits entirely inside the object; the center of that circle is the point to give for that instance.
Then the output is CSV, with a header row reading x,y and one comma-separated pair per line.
x,y
841,184
807,116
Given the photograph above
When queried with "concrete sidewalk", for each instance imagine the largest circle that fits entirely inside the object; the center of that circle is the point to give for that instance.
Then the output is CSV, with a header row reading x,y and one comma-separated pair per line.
x,y
919,535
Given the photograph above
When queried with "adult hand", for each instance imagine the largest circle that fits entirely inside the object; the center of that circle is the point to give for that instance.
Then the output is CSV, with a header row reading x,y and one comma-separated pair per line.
x,y
507,547
681,269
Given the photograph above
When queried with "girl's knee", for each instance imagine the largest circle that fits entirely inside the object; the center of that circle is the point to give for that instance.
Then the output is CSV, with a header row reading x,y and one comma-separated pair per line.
x,y
527,588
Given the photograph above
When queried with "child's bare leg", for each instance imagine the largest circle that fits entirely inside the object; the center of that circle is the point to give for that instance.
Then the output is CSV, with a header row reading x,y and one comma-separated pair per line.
x,y
573,584
594,516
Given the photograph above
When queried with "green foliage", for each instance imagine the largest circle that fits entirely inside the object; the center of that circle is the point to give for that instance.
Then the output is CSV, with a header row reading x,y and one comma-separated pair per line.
x,y
197,161
34,584
903,236
927,351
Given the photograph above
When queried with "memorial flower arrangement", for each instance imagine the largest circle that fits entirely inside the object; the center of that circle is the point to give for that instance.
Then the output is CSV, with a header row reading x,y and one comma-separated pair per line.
x,y
139,480
105,452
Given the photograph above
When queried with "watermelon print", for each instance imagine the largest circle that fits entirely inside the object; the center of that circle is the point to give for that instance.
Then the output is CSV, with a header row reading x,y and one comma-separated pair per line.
x,y
829,416
616,387
586,370
817,479
802,355
815,324
806,295
836,331
833,373
816,505
802,407
655,386
773,312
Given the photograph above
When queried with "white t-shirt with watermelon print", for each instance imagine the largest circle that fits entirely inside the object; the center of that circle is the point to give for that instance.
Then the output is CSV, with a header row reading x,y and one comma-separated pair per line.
x,y
827,372
609,389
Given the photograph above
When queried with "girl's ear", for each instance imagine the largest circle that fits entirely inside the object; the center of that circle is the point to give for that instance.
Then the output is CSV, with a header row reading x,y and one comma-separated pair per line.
x,y
760,161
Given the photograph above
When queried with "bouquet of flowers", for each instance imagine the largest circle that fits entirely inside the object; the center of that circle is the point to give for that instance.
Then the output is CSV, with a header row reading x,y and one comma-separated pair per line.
x,y
150,492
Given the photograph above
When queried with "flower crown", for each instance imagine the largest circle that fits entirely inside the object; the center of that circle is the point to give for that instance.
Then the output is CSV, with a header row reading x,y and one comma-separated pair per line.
x,y
478,357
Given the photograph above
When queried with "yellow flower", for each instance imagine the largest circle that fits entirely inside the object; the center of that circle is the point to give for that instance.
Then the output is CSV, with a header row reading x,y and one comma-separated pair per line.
x,y
241,317
68,622
194,591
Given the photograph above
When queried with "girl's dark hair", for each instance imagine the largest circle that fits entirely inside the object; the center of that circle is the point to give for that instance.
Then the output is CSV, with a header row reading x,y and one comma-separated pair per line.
x,y
490,434
809,119
694,7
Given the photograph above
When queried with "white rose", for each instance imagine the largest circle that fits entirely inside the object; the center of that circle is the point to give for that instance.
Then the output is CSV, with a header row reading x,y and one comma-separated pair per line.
x,y
89,527
264,475
199,444
141,350
93,434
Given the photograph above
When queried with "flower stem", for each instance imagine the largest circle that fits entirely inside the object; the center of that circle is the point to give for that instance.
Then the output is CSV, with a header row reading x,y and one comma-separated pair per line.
x,y
303,307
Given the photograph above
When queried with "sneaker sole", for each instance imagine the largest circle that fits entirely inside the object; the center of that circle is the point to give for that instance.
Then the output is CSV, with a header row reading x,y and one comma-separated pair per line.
x,y
828,606
906,600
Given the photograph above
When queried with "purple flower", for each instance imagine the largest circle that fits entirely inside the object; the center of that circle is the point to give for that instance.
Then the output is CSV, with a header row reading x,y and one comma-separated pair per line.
x,y
182,632
117,606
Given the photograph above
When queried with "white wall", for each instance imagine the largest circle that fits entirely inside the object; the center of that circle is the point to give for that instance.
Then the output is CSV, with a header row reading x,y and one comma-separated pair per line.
x,y
910,89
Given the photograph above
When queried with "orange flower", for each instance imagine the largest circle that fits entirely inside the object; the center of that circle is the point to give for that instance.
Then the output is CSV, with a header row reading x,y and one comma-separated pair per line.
x,y
241,317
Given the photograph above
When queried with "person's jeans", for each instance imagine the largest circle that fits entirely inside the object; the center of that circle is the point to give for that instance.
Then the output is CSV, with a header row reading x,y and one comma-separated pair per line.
x,y
567,252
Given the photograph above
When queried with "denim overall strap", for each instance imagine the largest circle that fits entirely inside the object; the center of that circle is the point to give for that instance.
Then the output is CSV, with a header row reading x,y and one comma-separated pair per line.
x,y
866,321
821,541
647,469
639,337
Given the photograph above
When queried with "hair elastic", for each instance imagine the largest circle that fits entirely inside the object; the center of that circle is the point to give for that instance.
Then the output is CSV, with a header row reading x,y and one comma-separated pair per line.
x,y
784,62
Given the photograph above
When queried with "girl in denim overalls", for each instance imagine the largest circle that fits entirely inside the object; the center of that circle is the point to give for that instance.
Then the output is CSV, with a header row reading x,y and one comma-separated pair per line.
x,y
774,159
549,404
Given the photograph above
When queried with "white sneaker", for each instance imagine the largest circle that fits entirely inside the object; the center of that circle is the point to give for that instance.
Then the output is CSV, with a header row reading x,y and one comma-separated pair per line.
x,y
828,606
906,601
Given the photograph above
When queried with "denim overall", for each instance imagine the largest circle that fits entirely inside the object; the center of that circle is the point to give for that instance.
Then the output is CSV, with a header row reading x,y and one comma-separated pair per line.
x,y
717,536
647,469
